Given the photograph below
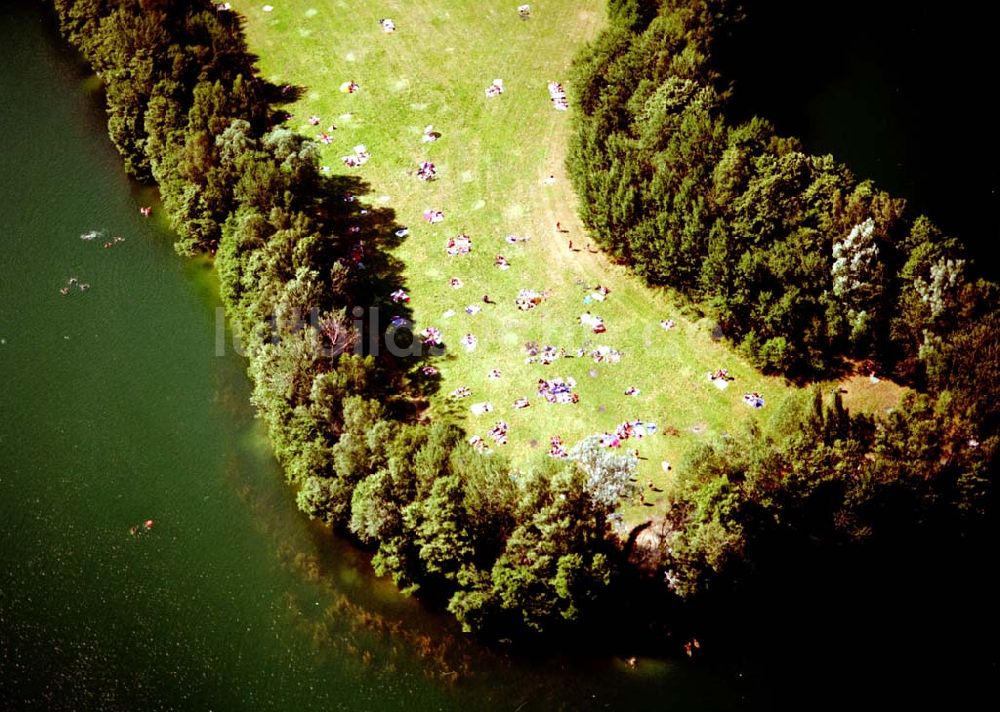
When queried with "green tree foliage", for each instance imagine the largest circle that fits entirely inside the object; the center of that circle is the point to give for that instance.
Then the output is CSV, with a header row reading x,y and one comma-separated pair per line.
x,y
558,560
802,265
176,74
836,483
358,452
428,530
491,497
632,15
322,498
375,514
439,526
801,262
797,258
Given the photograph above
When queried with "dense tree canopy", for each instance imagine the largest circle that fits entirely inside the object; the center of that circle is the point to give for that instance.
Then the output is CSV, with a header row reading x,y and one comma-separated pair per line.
x,y
803,266
801,263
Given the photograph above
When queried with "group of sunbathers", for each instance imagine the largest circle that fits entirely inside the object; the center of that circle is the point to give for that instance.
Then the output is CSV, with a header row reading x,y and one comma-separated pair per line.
x,y
606,354
556,448
358,158
426,171
431,336
558,390
558,96
495,88
629,429
529,299
499,432
544,355
460,245
595,322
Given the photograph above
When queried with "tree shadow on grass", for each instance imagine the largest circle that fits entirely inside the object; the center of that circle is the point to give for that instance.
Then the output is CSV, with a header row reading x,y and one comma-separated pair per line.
x,y
359,250
278,96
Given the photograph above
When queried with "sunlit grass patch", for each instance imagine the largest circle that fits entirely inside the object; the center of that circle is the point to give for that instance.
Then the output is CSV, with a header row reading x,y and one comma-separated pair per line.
x,y
499,162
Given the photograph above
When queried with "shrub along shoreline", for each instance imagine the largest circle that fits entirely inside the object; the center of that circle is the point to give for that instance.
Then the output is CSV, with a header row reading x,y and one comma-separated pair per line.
x,y
511,551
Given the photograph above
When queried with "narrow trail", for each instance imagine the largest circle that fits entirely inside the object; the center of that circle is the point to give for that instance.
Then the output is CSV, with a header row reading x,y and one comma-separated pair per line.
x,y
492,159
559,205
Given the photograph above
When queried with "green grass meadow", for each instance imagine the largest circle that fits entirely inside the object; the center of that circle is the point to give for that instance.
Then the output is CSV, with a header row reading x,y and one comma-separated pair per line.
x,y
492,159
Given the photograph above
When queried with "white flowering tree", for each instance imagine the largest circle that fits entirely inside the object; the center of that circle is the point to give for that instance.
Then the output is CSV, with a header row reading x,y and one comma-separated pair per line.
x,y
609,474
857,278
941,290
941,295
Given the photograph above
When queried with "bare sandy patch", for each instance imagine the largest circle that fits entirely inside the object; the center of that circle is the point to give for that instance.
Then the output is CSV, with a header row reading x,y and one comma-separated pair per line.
x,y
862,393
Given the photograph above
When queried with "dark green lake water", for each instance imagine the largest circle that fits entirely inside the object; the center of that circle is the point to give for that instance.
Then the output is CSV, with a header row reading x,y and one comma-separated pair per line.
x,y
116,409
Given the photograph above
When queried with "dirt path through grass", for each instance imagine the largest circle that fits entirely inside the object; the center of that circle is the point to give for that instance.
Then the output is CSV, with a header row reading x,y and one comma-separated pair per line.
x,y
492,160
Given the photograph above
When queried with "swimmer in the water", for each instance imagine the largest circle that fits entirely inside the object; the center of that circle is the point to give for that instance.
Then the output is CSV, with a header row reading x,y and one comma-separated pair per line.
x,y
64,290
